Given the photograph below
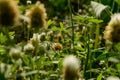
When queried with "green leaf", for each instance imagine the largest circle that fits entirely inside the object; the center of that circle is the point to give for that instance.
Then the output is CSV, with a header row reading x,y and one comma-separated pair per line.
x,y
106,56
95,20
81,18
54,28
61,25
2,50
99,77
25,60
118,1
49,22
118,66
3,38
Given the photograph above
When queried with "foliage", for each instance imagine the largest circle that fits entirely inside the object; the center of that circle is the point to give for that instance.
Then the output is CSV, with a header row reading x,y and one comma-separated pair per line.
x,y
40,55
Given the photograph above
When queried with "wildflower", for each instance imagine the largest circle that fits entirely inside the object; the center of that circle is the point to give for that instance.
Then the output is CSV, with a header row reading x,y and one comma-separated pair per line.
x,y
112,30
9,12
57,46
71,67
35,38
16,52
29,47
37,15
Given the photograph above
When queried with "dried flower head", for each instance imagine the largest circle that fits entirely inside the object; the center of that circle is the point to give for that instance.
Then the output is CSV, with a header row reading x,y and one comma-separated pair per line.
x,y
112,30
71,67
58,37
19,71
9,12
37,15
57,46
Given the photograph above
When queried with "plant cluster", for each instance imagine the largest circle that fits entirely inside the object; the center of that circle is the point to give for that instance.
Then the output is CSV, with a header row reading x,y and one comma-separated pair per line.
x,y
84,45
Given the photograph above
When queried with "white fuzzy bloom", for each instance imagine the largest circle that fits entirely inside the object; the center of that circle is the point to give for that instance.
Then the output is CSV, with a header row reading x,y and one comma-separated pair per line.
x,y
29,2
71,67
36,37
28,47
113,78
71,62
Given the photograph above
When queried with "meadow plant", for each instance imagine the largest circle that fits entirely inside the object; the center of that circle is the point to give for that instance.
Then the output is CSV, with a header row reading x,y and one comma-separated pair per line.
x,y
31,53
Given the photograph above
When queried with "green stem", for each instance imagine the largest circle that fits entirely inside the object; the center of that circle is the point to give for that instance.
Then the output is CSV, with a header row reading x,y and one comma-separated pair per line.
x,y
97,36
71,19
87,57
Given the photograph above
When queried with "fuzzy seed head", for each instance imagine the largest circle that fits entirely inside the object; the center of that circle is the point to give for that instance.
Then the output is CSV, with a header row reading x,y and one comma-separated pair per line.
x,y
71,67
112,30
9,12
37,15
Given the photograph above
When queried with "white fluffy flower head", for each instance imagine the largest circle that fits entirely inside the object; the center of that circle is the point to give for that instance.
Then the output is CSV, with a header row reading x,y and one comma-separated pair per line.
x,y
72,62
71,67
